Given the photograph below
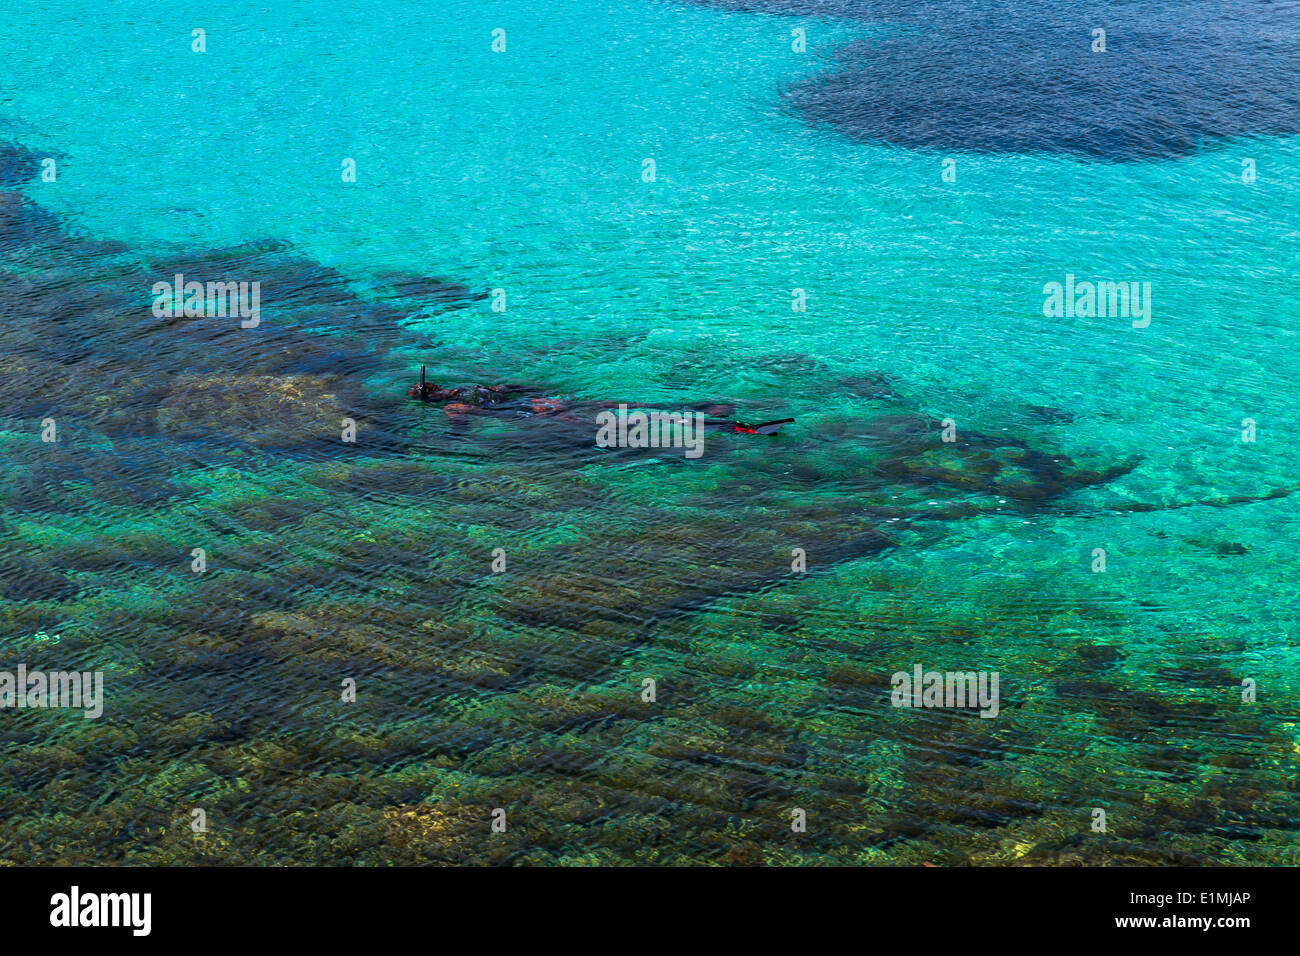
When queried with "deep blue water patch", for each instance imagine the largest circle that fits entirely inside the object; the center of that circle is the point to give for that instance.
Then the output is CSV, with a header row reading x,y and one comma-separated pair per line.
x,y
1022,77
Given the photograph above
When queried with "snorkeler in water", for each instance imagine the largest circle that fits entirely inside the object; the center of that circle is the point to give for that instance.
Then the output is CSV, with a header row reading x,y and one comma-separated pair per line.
x,y
522,402
427,391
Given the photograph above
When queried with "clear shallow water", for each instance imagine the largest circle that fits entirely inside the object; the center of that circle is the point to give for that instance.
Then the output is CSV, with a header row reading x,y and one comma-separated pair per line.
x,y
522,171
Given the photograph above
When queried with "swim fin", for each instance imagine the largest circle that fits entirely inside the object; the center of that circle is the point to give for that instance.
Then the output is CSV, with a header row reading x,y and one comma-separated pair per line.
x,y
763,428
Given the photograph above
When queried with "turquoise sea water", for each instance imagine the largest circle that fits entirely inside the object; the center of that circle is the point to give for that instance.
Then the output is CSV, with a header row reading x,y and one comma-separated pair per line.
x,y
522,170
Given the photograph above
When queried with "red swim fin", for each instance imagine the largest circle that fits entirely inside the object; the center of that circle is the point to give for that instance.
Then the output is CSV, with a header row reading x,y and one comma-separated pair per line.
x,y
764,428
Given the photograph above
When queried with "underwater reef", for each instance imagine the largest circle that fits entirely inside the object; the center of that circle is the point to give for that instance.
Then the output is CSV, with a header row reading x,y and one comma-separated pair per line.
x,y
1160,81
522,687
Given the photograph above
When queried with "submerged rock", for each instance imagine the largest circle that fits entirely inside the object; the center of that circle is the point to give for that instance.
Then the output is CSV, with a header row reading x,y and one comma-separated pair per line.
x,y
959,80
263,410
431,290
1050,414
24,579
18,165
1005,468
23,223
282,281
870,386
